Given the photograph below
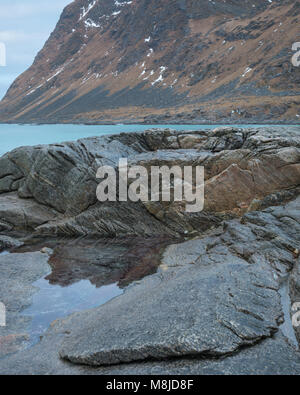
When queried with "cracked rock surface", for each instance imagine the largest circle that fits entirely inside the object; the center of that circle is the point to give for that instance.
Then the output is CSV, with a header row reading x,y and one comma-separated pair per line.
x,y
51,189
209,311
213,308
215,305
212,296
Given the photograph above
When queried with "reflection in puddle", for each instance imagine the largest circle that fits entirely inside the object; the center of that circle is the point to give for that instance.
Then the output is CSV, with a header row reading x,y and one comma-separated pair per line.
x,y
102,262
53,302
87,273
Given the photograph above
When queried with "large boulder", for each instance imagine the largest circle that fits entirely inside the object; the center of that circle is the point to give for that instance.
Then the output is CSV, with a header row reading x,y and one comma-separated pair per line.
x,y
243,168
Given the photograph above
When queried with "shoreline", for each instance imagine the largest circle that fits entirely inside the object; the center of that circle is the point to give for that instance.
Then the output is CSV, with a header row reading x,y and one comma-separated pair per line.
x,y
196,123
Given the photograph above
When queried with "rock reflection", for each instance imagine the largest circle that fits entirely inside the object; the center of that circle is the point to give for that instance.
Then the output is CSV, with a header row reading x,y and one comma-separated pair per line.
x,y
102,262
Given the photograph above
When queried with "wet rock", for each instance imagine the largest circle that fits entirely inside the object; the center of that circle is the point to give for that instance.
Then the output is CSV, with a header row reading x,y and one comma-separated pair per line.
x,y
295,298
20,271
212,296
12,343
193,310
102,261
273,356
17,274
7,243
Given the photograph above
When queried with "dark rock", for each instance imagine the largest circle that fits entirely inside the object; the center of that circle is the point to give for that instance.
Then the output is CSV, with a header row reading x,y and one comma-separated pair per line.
x,y
7,243
212,296
192,311
294,284
215,304
59,181
23,214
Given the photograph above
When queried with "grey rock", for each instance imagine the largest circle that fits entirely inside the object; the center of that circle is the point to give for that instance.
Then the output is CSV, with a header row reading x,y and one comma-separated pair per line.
x,y
294,287
7,242
23,214
196,310
17,274
20,271
273,356
212,296
62,178
213,307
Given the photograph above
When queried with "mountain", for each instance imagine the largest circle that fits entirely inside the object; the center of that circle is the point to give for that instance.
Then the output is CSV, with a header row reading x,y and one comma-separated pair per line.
x,y
163,61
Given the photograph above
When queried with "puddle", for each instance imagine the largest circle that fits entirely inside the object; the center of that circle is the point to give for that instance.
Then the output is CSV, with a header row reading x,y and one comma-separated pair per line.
x,y
85,274
287,327
53,301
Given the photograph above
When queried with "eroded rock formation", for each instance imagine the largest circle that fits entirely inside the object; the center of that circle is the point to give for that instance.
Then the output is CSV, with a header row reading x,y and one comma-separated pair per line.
x,y
221,301
52,189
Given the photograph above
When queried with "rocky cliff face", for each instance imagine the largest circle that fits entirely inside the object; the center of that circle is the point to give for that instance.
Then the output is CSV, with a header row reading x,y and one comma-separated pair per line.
x,y
163,61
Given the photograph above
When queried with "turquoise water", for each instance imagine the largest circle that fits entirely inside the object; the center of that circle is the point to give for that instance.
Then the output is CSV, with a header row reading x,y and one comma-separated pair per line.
x,y
13,136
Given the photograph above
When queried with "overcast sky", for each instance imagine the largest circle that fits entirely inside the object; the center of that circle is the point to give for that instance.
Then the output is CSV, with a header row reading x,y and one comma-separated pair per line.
x,y
25,25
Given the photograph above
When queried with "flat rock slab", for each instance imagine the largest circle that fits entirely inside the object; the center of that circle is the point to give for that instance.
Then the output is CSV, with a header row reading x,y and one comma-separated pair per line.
x,y
18,272
273,356
194,310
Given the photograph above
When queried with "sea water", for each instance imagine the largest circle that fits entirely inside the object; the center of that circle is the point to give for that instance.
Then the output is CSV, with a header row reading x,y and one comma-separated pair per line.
x,y
13,136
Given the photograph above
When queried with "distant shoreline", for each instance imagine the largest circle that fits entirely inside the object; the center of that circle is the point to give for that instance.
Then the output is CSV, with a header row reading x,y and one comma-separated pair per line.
x,y
196,123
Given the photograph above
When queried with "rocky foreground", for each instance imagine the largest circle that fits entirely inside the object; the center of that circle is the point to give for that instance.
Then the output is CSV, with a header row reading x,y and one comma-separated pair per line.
x,y
220,302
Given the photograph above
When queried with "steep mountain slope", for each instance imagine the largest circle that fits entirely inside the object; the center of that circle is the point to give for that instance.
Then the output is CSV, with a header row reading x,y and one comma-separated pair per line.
x,y
163,60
